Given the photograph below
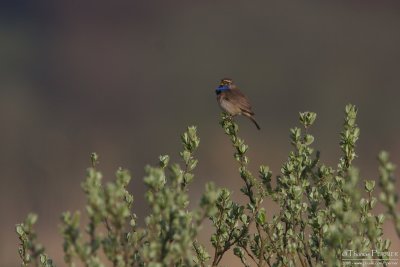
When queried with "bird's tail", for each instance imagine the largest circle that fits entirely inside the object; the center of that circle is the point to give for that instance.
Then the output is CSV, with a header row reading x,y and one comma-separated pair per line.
x,y
254,121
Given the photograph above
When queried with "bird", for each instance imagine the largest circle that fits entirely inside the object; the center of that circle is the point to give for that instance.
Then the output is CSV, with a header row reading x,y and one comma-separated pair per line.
x,y
233,101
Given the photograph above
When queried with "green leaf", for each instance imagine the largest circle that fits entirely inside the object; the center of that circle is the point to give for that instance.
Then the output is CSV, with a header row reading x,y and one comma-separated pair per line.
x,y
369,185
20,229
31,219
261,217
164,160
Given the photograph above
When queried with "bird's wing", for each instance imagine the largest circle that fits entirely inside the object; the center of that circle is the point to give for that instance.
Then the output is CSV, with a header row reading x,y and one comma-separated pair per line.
x,y
237,98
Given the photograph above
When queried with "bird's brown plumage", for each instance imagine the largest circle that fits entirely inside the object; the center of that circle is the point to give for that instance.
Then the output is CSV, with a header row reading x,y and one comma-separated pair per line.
x,y
238,99
235,102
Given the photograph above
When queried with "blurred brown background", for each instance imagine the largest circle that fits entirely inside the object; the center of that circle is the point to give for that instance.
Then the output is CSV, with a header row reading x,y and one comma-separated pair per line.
x,y
124,79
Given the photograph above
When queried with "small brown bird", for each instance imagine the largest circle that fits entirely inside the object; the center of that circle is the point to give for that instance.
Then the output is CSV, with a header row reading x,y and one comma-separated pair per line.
x,y
233,101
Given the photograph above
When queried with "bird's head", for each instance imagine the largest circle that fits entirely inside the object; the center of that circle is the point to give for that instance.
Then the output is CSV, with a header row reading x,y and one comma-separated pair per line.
x,y
226,81
225,84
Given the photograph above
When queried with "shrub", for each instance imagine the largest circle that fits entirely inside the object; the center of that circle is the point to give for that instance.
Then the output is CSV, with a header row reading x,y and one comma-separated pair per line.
x,y
323,215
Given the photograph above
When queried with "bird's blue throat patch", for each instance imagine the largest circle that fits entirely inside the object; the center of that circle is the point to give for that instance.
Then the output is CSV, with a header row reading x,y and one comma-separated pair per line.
x,y
221,89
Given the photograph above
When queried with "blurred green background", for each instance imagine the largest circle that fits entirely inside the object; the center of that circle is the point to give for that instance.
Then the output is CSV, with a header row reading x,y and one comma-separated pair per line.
x,y
124,79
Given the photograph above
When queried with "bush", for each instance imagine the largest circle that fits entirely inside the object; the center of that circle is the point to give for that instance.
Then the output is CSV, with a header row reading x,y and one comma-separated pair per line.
x,y
323,215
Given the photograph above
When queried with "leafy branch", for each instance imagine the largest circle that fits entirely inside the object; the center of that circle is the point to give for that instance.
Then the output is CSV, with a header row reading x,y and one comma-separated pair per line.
x,y
322,214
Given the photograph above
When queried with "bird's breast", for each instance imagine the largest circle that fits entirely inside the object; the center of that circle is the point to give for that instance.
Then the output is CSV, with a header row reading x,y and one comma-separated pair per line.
x,y
227,106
